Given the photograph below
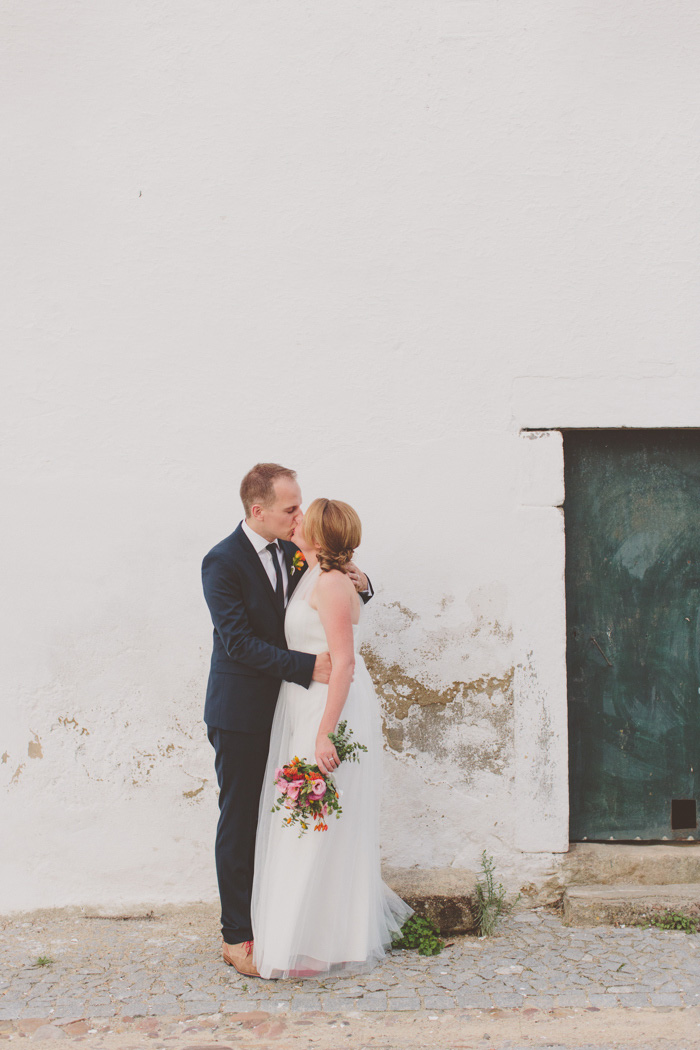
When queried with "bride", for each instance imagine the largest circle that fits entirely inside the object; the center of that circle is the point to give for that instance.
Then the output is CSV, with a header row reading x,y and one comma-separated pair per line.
x,y
319,903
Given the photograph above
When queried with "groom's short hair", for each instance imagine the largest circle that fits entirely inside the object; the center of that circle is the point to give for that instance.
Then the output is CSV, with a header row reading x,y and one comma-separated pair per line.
x,y
258,486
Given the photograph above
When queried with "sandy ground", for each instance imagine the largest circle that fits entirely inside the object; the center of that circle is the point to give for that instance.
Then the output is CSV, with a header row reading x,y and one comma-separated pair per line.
x,y
662,1029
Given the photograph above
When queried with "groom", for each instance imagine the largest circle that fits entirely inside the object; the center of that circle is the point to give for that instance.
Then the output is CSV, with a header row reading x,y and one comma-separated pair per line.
x,y
248,579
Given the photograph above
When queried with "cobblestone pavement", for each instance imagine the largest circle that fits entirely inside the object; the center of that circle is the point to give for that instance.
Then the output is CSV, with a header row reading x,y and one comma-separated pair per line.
x,y
153,974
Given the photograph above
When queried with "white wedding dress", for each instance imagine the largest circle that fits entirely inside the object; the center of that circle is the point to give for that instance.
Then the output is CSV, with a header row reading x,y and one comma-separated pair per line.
x,y
319,903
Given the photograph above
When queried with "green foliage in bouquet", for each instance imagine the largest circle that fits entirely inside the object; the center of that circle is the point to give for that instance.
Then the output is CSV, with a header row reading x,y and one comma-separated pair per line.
x,y
347,752
419,933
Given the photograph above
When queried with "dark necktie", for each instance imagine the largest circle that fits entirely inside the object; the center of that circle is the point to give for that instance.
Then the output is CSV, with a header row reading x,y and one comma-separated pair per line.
x,y
279,588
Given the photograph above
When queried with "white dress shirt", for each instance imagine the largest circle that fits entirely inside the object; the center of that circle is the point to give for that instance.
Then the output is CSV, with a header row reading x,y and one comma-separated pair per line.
x,y
260,544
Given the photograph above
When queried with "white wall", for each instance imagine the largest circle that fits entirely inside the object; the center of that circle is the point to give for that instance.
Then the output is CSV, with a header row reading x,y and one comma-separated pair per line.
x,y
369,240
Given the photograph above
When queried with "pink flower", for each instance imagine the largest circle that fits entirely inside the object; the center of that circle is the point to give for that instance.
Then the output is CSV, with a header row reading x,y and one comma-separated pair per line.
x,y
281,785
294,788
319,789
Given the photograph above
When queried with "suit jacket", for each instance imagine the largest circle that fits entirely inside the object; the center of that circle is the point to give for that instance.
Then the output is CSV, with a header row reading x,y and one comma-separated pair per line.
x,y
250,655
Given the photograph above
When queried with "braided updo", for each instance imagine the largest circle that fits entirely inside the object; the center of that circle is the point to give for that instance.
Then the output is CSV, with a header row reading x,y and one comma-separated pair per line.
x,y
334,528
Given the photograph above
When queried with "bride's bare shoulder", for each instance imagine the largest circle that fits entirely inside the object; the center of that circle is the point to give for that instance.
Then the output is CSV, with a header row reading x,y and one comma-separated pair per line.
x,y
331,587
335,582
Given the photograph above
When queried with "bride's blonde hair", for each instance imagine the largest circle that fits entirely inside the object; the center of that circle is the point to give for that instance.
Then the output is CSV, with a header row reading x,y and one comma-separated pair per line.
x,y
335,529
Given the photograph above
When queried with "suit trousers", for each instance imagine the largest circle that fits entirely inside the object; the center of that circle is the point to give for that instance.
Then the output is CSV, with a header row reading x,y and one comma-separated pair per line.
x,y
240,767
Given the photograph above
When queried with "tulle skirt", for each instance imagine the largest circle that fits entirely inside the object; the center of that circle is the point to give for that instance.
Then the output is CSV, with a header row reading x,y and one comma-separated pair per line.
x,y
319,903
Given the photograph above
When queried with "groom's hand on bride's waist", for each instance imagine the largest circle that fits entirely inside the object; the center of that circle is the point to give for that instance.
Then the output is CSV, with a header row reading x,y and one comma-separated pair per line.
x,y
322,669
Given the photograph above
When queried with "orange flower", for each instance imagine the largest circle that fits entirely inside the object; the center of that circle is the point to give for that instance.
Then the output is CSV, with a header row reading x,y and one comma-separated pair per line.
x,y
298,562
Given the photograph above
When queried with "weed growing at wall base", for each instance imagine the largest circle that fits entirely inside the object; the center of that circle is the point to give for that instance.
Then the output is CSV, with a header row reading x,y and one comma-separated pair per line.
x,y
491,905
670,920
419,933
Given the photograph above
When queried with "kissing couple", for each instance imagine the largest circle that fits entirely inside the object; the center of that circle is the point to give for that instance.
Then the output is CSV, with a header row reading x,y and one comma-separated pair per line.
x,y
285,598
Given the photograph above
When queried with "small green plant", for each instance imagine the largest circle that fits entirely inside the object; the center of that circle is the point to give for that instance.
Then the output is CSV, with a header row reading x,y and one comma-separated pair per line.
x,y
491,904
43,960
419,933
671,920
244,987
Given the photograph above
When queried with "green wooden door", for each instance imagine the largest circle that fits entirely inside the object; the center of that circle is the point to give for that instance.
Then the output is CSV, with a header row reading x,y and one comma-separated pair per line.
x,y
632,516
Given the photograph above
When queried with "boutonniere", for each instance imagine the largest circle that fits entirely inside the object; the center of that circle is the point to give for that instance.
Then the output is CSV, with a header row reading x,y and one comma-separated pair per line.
x,y
298,562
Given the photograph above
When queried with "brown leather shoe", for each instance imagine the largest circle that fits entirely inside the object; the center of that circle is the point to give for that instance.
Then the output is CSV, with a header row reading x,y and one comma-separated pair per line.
x,y
240,956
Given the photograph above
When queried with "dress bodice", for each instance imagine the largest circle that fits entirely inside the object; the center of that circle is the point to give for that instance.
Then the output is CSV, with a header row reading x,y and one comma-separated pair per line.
x,y
302,624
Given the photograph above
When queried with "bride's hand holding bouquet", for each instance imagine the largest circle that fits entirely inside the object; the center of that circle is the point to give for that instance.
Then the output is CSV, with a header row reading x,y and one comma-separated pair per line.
x,y
306,793
326,756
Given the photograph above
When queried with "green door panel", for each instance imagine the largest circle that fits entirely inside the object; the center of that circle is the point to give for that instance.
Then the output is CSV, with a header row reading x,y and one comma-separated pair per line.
x,y
632,516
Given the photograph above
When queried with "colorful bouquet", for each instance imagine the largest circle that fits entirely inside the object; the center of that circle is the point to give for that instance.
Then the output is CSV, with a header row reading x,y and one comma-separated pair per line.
x,y
306,793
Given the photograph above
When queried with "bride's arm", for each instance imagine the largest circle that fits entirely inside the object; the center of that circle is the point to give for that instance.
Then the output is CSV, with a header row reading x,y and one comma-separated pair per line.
x,y
335,601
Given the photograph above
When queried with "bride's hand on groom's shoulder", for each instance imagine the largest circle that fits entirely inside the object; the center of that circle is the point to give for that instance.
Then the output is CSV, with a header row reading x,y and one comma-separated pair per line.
x,y
357,576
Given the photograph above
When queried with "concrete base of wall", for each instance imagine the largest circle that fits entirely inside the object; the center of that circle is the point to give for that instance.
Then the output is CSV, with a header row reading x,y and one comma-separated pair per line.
x,y
445,895
593,880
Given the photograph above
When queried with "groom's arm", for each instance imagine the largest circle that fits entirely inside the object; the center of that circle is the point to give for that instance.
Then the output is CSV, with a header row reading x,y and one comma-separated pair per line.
x,y
223,594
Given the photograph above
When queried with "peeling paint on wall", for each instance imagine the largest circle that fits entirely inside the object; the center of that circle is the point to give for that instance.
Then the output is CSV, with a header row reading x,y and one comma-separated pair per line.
x,y
34,746
408,613
195,791
72,723
417,716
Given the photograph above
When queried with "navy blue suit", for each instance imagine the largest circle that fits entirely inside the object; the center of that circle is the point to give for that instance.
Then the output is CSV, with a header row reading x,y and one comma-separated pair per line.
x,y
250,655
249,660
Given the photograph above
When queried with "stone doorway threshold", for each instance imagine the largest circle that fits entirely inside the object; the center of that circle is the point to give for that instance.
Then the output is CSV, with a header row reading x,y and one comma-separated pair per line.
x,y
626,882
